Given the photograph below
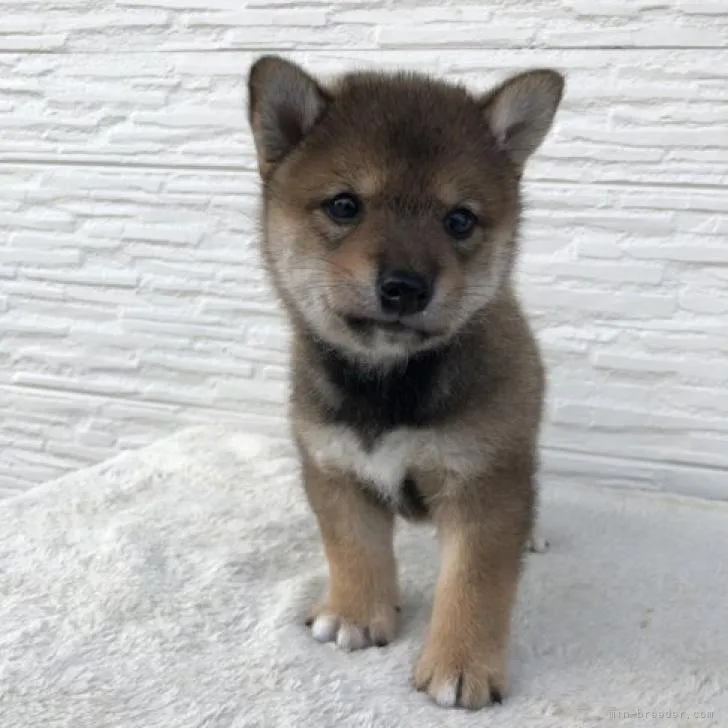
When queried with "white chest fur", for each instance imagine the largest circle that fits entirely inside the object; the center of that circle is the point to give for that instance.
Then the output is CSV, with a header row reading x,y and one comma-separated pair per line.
x,y
386,465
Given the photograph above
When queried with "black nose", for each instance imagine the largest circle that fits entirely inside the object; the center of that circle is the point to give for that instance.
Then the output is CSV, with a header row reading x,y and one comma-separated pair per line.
x,y
403,292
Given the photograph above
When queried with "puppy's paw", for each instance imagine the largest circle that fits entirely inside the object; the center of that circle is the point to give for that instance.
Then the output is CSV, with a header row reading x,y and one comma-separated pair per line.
x,y
464,677
353,628
537,544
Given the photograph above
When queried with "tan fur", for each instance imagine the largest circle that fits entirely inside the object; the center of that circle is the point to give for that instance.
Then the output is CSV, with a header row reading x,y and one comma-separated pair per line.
x,y
449,668
431,414
358,542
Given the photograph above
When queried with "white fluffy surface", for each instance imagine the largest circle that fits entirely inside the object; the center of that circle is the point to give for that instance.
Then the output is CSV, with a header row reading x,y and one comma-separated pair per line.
x,y
166,589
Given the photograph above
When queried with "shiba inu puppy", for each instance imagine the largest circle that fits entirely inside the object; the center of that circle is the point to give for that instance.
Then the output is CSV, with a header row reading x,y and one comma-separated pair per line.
x,y
390,221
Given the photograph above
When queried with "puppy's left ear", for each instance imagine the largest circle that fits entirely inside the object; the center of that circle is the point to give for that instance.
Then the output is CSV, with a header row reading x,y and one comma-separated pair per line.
x,y
284,102
521,110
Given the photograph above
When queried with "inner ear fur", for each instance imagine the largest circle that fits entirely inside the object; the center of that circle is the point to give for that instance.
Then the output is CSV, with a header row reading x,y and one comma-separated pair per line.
x,y
521,110
284,102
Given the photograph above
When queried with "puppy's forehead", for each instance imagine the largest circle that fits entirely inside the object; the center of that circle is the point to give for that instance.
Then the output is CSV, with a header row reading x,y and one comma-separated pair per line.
x,y
394,103
404,129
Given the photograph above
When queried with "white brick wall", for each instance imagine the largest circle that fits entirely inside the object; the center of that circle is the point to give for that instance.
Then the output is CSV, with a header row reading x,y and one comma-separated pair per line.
x,y
131,300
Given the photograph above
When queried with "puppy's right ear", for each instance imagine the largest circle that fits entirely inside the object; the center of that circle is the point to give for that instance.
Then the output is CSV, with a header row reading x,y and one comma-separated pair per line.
x,y
284,102
521,110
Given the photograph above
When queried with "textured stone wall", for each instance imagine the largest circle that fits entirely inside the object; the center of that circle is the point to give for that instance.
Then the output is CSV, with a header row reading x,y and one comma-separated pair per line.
x,y
131,298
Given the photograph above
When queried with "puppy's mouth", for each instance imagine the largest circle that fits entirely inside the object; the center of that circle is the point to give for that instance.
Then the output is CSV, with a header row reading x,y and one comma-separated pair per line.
x,y
365,325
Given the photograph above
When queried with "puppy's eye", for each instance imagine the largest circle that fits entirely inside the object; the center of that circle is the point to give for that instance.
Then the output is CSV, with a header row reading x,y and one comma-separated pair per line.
x,y
343,209
460,223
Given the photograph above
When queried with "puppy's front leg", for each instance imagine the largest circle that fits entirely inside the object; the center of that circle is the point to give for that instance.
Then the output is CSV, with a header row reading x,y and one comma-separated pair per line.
x,y
360,605
464,659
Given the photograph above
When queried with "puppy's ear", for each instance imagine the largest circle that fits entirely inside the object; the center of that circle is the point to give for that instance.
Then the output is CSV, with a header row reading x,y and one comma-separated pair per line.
x,y
520,111
284,102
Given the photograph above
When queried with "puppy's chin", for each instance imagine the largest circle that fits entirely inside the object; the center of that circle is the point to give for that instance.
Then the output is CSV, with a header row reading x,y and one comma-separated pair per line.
x,y
377,342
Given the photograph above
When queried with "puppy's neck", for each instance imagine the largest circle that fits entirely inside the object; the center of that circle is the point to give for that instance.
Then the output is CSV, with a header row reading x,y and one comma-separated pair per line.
x,y
418,391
